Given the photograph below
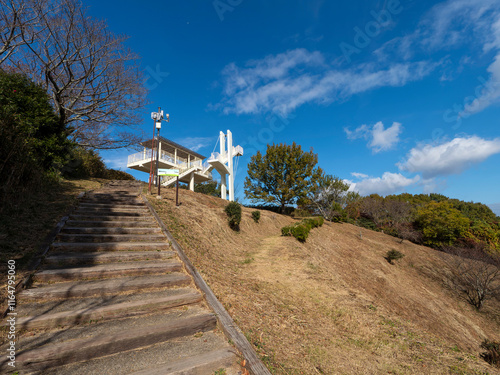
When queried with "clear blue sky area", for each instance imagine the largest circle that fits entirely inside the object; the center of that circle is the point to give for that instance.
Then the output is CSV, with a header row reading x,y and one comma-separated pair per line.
x,y
393,95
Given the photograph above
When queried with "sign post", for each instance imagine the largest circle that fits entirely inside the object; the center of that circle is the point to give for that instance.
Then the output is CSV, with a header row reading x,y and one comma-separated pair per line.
x,y
175,173
177,192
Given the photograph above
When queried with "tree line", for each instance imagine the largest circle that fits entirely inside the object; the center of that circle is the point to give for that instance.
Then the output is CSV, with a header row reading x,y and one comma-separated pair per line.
x,y
287,176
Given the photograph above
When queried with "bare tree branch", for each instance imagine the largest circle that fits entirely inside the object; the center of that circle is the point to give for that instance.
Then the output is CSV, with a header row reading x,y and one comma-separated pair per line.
x,y
94,81
474,274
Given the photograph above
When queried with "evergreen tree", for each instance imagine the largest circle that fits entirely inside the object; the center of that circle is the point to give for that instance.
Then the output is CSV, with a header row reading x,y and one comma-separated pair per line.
x,y
281,176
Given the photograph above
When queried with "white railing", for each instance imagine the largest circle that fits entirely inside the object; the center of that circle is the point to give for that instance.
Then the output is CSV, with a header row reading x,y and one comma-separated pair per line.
x,y
181,163
145,156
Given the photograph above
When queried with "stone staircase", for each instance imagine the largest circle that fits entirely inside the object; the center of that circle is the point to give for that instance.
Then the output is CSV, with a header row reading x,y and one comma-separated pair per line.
x,y
112,298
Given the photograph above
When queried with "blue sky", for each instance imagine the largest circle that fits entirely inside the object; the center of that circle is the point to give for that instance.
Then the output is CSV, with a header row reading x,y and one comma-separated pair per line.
x,y
392,95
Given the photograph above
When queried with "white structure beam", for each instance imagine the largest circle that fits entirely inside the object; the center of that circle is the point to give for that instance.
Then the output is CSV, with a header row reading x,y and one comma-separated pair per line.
x,y
223,163
191,181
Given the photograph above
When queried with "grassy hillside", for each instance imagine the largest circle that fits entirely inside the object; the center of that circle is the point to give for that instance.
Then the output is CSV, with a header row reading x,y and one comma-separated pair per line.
x,y
333,305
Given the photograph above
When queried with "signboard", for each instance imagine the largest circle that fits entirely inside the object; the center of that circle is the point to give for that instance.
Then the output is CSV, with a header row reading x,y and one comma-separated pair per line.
x,y
168,172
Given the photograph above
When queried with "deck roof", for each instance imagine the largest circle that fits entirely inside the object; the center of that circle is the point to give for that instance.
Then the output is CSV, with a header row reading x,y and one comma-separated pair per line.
x,y
170,146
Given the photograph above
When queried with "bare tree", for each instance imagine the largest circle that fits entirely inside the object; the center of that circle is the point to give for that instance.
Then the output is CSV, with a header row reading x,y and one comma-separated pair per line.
x,y
11,14
94,82
474,274
373,208
328,196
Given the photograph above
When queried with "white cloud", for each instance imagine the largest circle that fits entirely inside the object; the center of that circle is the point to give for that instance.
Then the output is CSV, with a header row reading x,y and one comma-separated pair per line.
x,y
385,139
196,143
118,162
452,157
281,83
381,139
490,93
389,183
495,207
359,175
362,131
448,25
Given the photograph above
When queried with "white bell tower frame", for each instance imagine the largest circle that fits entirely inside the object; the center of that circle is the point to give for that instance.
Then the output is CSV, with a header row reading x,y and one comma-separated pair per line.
x,y
223,163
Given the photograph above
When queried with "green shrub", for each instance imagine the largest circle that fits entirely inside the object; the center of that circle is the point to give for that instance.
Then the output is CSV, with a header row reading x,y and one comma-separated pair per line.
x,y
313,222
233,212
84,163
300,232
492,354
287,231
116,174
393,255
256,216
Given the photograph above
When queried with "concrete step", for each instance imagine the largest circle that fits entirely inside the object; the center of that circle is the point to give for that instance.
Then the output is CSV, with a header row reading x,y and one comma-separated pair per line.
x,y
42,307
70,237
114,202
108,338
80,217
112,230
105,257
146,222
108,286
107,205
206,363
109,270
113,196
107,212
100,312
109,246
168,352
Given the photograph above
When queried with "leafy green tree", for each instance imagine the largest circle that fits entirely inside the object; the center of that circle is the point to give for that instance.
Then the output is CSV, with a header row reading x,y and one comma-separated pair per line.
x,y
32,117
209,188
33,141
441,224
283,175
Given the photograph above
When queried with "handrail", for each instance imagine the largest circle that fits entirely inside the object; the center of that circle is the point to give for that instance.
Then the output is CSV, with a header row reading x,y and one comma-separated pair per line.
x,y
164,155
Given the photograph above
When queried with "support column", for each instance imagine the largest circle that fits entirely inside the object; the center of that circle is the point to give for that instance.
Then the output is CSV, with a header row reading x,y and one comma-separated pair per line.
x,y
222,141
223,187
191,181
230,165
175,156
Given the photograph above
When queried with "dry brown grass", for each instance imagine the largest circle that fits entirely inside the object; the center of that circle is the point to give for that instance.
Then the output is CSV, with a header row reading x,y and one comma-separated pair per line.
x,y
25,223
333,305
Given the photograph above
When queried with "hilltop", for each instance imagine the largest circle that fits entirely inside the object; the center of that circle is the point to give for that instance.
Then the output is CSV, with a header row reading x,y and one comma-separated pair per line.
x,y
333,304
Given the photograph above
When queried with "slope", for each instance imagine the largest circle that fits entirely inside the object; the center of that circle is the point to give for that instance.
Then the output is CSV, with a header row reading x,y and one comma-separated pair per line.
x,y
333,305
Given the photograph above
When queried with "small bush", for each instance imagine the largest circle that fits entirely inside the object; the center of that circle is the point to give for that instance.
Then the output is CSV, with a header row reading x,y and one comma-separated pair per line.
x,y
287,231
256,216
300,232
393,255
492,354
233,212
